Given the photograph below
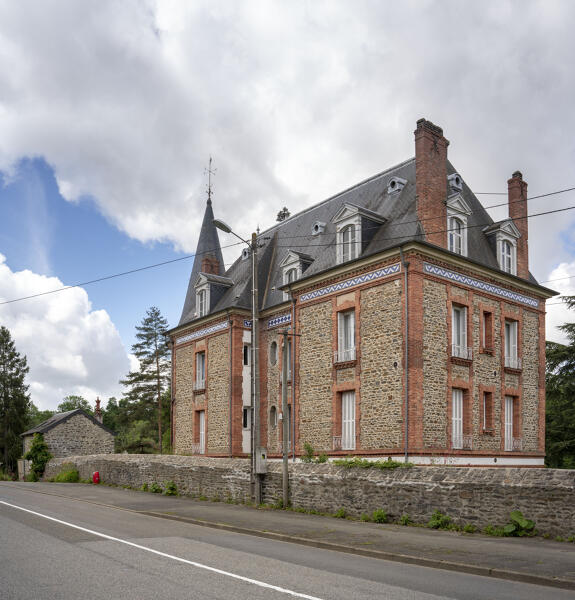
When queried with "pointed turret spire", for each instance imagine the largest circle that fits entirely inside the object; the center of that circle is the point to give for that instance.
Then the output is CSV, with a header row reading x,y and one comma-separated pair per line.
x,y
208,258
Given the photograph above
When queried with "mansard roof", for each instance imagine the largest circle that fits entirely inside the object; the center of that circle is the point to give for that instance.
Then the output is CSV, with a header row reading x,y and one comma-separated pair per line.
x,y
400,224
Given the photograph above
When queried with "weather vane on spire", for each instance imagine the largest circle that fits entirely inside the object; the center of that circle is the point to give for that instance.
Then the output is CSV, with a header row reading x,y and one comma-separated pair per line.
x,y
210,172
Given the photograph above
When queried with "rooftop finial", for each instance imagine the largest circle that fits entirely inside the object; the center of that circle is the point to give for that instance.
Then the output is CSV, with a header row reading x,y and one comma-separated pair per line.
x,y
210,172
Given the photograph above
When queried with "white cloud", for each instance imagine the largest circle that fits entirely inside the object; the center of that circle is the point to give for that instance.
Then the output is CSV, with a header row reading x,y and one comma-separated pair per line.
x,y
295,101
71,349
557,312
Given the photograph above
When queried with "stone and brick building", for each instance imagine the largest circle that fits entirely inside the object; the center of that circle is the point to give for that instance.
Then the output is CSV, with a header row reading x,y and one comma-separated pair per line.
x,y
420,330
72,433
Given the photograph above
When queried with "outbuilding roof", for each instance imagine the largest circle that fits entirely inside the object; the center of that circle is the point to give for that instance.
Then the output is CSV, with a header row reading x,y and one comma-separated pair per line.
x,y
59,418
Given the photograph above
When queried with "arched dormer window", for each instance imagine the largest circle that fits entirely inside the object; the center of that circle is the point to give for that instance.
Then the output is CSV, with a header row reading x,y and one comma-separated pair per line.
x,y
348,245
456,235
202,302
290,275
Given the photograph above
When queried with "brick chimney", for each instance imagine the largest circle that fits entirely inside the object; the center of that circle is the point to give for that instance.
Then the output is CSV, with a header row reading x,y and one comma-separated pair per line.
x,y
431,181
210,264
517,197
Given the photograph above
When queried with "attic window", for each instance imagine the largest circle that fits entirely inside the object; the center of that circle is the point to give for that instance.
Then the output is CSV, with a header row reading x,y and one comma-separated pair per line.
x,y
395,184
457,213
318,227
455,182
292,266
202,302
245,253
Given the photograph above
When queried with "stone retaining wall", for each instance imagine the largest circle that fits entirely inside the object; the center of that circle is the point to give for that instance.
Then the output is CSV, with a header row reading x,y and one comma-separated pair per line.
x,y
469,495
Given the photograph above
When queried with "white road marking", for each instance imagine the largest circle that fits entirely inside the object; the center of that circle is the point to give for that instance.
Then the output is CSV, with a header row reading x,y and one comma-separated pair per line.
x,y
177,558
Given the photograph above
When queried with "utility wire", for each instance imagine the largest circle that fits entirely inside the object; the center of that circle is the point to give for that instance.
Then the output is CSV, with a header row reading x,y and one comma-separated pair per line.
x,y
147,267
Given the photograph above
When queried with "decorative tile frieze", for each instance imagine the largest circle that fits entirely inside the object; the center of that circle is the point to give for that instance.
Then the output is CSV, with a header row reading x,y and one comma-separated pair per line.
x,y
479,285
202,332
348,283
281,320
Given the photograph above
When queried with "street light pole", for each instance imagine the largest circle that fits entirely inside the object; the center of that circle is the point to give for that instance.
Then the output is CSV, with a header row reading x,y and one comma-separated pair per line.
x,y
255,440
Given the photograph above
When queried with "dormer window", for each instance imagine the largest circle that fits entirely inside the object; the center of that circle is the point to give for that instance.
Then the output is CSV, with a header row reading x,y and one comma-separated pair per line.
x,y
395,184
457,212
348,243
293,265
456,235
355,227
504,236
202,302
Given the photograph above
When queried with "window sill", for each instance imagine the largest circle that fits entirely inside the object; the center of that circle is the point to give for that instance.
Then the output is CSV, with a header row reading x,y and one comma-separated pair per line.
x,y
513,371
199,391
345,364
489,351
490,432
457,360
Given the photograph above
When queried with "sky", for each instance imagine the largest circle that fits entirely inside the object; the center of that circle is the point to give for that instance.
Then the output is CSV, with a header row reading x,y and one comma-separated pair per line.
x,y
110,111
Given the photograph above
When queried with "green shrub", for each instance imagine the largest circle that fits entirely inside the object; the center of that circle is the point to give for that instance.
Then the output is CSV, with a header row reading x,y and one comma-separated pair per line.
x,y
341,513
379,516
469,528
144,487
155,488
363,463
405,519
322,458
5,476
309,453
559,539
68,474
439,521
519,526
32,476
39,455
494,531
365,517
170,489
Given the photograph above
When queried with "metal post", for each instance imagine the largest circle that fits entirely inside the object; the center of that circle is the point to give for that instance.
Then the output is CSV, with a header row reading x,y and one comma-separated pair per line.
x,y
255,373
285,421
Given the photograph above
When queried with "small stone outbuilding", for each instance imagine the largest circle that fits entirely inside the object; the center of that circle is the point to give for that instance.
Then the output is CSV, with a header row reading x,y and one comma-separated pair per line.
x,y
72,433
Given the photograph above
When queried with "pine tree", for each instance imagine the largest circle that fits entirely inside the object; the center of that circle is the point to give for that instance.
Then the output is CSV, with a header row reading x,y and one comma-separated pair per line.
x,y
14,400
146,386
560,398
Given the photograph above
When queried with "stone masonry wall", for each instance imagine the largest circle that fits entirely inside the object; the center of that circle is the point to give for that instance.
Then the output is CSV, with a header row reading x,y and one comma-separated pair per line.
x,y
218,379
315,376
468,495
530,388
381,367
184,395
77,435
434,364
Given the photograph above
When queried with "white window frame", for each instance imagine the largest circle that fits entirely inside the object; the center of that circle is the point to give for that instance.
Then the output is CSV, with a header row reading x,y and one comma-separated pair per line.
x,y
345,336
457,418
202,300
202,431
200,382
507,260
348,420
457,212
512,360
508,423
348,249
459,347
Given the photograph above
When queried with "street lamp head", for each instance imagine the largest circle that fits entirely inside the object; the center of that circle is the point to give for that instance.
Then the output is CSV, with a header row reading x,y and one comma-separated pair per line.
x,y
221,225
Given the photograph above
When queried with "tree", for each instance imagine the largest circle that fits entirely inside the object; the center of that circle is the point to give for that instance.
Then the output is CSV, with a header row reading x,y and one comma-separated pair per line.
x,y
74,402
146,385
560,398
14,400
37,416
39,455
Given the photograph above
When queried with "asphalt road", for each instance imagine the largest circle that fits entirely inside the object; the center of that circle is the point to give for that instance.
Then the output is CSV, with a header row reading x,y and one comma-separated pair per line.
x,y
68,549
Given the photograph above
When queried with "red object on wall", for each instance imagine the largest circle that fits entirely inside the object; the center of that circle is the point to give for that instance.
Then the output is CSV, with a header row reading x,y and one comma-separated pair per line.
x,y
96,477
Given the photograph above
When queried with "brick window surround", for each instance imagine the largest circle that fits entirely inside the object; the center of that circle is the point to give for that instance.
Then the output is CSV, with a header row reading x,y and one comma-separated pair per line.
x,y
486,341
460,346
487,410
465,441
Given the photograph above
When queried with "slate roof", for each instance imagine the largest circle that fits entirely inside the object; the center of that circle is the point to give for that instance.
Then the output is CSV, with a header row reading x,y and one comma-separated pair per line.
x,y
59,418
401,225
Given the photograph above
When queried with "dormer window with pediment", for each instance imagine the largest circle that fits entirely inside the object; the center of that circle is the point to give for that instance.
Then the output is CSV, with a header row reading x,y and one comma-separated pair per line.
x,y
505,235
457,213
355,228
293,266
209,290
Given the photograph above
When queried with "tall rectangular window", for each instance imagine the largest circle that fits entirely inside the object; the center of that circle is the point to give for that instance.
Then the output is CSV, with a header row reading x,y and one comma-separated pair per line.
x,y
348,243
202,431
457,419
200,370
487,412
345,336
508,423
511,359
202,303
247,349
348,421
459,332
487,330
